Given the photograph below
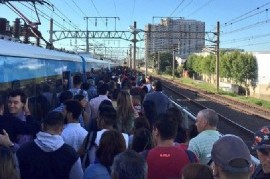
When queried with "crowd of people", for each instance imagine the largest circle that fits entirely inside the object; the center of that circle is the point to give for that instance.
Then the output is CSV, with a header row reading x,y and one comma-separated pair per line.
x,y
119,125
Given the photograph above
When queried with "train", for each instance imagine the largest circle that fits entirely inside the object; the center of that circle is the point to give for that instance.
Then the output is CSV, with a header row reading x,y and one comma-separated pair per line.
x,y
27,66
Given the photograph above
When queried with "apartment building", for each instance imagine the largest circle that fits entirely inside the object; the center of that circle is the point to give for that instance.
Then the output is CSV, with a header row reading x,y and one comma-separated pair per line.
x,y
186,36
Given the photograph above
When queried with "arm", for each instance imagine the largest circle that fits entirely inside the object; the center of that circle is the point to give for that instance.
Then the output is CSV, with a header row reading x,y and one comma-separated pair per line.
x,y
5,141
76,171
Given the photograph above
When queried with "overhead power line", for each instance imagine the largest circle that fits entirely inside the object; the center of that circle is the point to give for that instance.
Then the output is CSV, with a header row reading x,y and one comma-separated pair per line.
x,y
177,7
243,15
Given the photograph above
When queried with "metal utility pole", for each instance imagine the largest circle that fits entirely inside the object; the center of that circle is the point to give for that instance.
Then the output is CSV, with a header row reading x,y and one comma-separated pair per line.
x,y
147,55
217,55
158,70
87,34
130,56
51,31
134,45
173,64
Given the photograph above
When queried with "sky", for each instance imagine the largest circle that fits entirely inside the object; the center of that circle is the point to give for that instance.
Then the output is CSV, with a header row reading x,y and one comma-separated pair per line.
x,y
244,24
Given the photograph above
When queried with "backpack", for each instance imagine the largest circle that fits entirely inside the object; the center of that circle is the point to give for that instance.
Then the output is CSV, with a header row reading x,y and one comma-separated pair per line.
x,y
88,144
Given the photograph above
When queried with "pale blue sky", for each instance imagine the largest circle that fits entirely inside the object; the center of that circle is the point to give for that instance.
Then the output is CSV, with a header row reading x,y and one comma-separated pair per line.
x,y
250,32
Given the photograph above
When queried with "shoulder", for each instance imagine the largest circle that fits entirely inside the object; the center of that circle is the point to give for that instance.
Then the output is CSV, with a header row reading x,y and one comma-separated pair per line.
x,y
96,171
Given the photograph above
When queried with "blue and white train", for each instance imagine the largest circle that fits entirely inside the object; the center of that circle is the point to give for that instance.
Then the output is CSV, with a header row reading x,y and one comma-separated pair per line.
x,y
28,64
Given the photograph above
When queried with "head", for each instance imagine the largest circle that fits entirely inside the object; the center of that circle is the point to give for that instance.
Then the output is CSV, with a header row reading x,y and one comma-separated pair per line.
x,y
231,158
112,143
157,85
65,95
141,122
7,163
197,170
123,99
149,79
106,117
262,147
72,110
165,128
103,89
206,119
81,98
176,114
129,164
16,101
77,80
142,140
85,86
53,123
91,82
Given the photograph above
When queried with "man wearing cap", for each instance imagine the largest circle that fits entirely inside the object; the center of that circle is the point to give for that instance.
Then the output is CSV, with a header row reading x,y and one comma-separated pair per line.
x,y
231,158
262,147
201,145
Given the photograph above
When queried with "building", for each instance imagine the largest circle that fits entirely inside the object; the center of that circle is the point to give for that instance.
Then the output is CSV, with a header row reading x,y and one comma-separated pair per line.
x,y
185,36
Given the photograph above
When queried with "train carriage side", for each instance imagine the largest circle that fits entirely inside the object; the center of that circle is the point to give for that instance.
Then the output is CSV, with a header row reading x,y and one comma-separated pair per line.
x,y
26,66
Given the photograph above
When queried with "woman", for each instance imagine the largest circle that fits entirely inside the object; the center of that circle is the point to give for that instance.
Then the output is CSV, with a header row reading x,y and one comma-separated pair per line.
x,y
125,112
7,164
111,143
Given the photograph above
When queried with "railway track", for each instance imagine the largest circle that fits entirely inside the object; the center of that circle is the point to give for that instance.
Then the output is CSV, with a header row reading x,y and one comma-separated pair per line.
x,y
232,120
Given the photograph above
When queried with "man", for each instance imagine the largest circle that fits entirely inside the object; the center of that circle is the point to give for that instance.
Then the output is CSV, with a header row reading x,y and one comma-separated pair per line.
x,y
129,165
18,107
11,127
77,82
165,160
64,96
262,147
48,156
231,158
103,91
161,101
73,134
201,145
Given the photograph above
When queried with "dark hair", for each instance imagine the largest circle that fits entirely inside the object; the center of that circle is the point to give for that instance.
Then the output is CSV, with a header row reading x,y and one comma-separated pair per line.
x,y
108,115
105,103
176,115
129,164
78,97
77,79
197,170
111,143
65,95
85,86
54,119
142,140
75,107
18,92
141,122
102,90
166,126
158,85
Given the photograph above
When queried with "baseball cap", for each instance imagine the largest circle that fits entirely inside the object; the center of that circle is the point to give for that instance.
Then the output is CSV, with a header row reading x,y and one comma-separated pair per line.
x,y
231,154
262,138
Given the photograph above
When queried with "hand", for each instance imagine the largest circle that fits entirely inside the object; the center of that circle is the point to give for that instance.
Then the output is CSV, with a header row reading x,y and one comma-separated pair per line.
x,y
5,140
2,110
26,108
